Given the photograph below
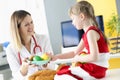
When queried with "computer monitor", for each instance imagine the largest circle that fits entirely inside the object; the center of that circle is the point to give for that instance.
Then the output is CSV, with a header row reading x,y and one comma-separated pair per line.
x,y
70,35
100,22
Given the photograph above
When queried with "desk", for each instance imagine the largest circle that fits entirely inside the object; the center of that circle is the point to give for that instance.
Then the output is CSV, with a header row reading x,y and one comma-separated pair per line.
x,y
3,58
5,72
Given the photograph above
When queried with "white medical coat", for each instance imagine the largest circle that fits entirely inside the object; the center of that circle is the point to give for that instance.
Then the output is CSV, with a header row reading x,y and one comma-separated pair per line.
x,y
14,62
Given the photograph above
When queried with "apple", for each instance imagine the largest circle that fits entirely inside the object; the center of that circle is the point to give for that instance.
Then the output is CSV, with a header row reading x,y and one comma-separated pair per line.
x,y
83,54
37,58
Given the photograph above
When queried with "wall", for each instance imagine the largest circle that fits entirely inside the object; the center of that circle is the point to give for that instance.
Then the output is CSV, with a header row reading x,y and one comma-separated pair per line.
x,y
118,6
6,8
35,7
56,12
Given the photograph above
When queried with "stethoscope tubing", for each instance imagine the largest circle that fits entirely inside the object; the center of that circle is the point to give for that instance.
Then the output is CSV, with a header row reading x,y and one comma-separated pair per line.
x,y
36,45
34,49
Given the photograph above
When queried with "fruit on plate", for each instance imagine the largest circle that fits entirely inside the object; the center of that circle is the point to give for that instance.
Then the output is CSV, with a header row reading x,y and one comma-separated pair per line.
x,y
37,58
45,56
83,53
31,58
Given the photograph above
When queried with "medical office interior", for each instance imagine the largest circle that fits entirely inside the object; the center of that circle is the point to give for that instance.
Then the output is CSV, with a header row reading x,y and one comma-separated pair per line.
x,y
51,18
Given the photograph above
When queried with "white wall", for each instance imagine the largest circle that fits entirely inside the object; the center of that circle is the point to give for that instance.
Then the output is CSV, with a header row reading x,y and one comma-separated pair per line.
x,y
56,12
6,7
35,7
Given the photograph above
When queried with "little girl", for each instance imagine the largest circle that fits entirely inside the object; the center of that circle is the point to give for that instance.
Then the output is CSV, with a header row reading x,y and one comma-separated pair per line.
x,y
95,42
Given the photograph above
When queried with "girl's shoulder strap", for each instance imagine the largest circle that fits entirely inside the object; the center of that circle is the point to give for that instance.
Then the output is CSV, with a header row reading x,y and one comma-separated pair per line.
x,y
92,28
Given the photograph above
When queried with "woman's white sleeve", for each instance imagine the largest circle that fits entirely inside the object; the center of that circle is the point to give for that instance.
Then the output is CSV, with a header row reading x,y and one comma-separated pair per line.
x,y
14,64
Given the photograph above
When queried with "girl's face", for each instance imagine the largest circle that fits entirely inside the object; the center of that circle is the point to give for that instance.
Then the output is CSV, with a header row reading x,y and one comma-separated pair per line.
x,y
27,27
77,21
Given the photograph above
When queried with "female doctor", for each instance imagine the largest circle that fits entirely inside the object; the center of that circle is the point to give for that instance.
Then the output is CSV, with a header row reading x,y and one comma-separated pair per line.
x,y
25,42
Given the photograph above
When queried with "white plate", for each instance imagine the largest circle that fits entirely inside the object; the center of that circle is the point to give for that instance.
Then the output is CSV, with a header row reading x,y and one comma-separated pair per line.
x,y
42,62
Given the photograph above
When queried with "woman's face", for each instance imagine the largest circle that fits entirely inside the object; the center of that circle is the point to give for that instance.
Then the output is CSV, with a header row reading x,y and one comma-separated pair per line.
x,y
26,27
77,21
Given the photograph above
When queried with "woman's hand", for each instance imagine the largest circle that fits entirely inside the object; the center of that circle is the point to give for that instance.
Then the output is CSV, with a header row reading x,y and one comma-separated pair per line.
x,y
24,66
45,66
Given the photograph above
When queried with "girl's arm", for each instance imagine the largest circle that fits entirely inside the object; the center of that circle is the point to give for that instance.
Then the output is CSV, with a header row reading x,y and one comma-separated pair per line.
x,y
71,54
92,37
63,55
80,47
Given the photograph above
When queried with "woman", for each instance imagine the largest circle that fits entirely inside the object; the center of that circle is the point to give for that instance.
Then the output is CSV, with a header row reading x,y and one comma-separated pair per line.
x,y
24,41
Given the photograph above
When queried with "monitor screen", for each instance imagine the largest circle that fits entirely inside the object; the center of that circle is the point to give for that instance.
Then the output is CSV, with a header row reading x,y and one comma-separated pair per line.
x,y
70,35
100,22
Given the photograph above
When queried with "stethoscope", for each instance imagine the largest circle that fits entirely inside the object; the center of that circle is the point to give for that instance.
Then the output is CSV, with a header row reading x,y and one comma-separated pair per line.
x,y
34,49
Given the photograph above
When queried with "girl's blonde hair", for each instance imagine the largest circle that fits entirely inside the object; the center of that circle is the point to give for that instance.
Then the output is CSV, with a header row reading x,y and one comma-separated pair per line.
x,y
87,9
16,18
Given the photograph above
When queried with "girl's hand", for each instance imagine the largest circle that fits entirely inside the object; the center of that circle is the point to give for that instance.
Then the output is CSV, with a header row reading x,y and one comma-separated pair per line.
x,y
76,58
54,58
49,54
